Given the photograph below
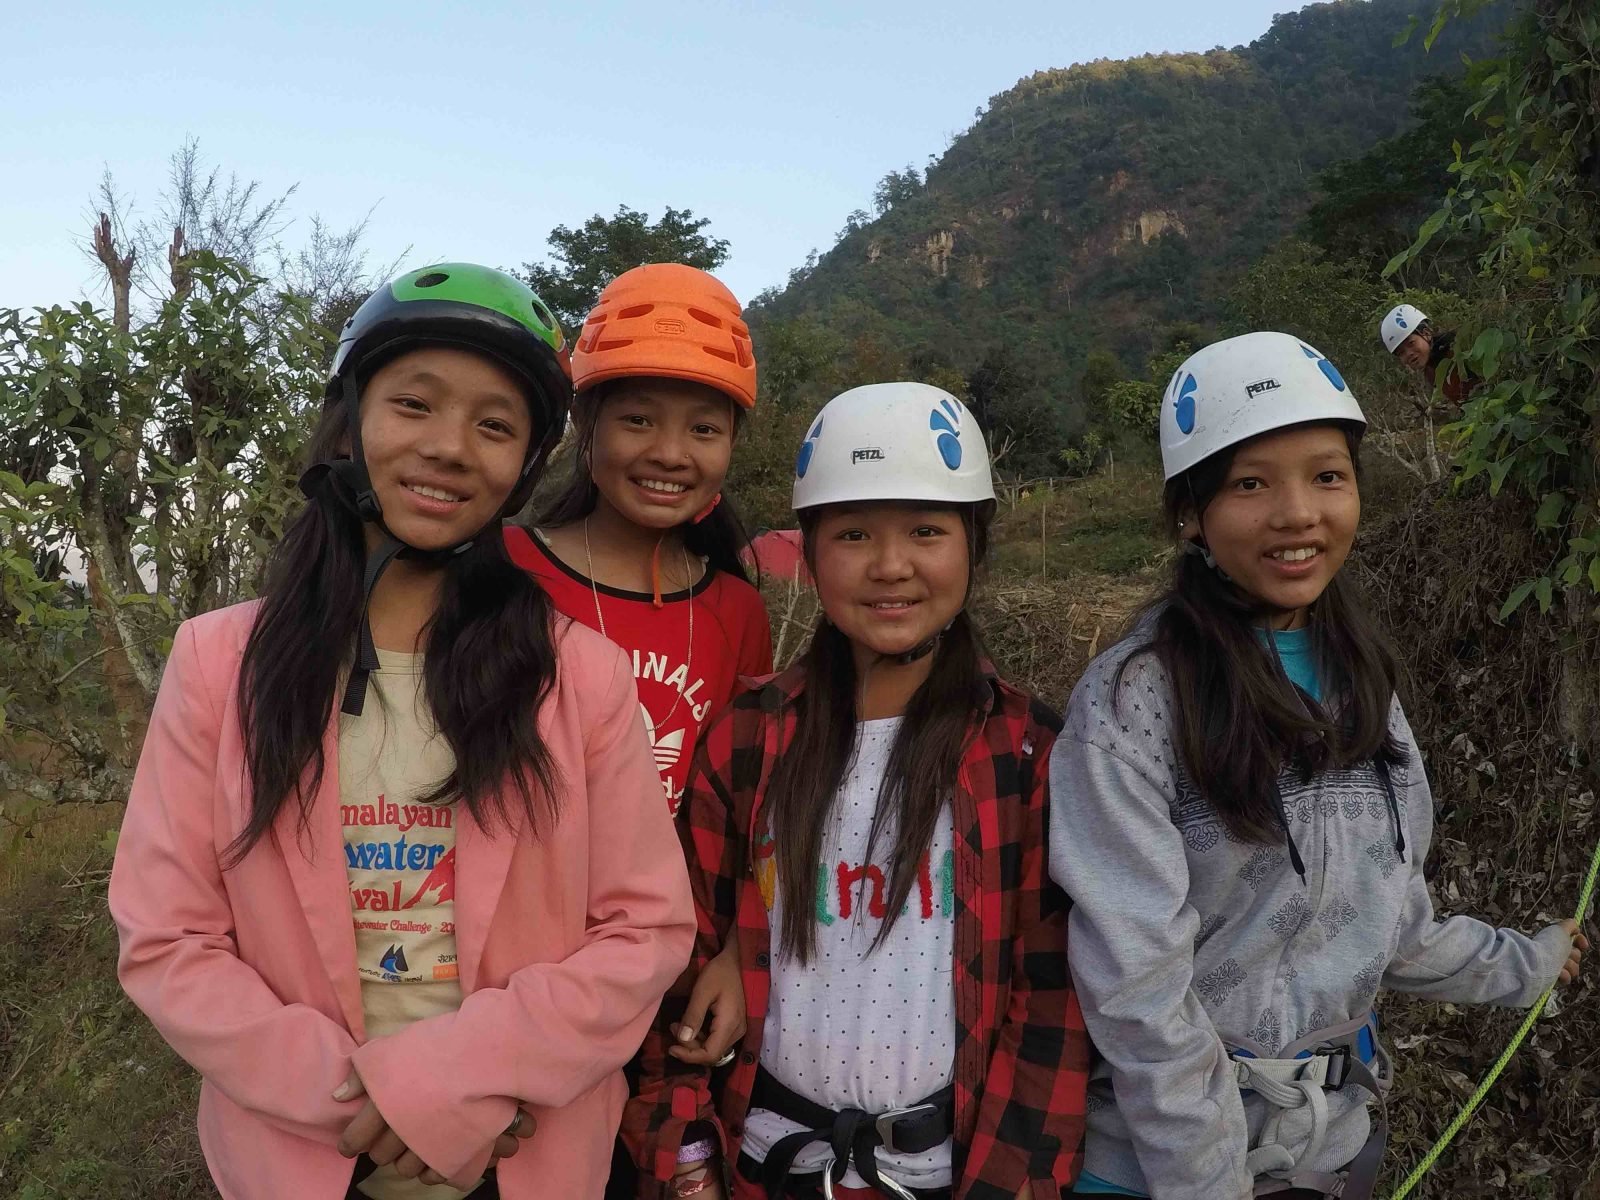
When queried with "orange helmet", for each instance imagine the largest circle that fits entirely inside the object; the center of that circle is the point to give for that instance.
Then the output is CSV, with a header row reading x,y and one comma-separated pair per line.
x,y
669,320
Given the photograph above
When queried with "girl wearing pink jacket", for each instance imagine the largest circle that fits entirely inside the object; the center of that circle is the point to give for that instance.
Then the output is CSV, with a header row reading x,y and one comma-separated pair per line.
x,y
391,876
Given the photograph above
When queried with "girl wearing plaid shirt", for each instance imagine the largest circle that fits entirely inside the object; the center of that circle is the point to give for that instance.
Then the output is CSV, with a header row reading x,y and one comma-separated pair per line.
x,y
870,824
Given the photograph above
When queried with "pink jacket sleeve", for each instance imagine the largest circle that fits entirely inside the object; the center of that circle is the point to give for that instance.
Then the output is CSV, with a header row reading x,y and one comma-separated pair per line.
x,y
559,1029
178,959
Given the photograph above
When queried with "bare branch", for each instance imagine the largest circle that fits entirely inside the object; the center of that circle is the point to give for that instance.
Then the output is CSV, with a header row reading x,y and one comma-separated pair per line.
x,y
119,270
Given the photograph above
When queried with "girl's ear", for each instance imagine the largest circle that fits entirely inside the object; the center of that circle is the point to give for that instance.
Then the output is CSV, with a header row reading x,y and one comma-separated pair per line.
x,y
1188,525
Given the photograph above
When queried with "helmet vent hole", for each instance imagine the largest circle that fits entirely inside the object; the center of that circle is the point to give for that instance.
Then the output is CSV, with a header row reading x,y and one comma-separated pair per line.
x,y
432,279
740,329
546,318
705,318
612,344
636,310
725,355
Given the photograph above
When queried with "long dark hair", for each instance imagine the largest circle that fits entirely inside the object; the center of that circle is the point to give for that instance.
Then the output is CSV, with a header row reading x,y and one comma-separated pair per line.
x,y
490,662
922,766
1239,719
720,539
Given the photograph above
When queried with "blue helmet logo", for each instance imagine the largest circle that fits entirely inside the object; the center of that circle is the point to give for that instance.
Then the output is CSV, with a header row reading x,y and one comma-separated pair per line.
x,y
945,422
1400,320
1184,406
808,448
1326,367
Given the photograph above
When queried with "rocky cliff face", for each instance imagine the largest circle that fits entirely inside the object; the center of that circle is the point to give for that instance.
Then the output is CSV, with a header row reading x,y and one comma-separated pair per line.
x,y
1090,205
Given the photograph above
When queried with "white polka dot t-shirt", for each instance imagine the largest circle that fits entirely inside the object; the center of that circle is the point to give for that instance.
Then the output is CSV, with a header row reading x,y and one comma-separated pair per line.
x,y
859,1027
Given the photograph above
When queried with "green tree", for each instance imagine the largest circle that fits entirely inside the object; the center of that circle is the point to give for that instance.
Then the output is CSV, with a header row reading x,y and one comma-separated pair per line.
x,y
1529,192
583,260
1135,404
1370,206
1025,426
1101,370
796,360
159,453
896,188
1335,304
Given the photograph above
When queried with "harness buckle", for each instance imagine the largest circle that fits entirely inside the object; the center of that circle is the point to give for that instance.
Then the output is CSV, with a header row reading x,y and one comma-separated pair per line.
x,y
885,1124
827,1176
1338,1066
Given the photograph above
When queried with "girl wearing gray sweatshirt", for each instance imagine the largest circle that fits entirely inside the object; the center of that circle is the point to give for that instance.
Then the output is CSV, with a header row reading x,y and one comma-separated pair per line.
x,y
1240,815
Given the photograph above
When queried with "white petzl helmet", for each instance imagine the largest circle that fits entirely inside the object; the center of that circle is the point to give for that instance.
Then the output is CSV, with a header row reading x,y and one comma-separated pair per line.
x,y
893,441
1236,389
1400,324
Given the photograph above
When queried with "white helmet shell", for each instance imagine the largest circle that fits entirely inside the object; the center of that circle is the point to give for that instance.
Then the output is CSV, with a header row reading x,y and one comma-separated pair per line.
x,y
1400,324
893,441
1236,389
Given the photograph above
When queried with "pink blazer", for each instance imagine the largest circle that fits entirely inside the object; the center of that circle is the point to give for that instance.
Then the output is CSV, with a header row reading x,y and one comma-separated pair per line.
x,y
566,945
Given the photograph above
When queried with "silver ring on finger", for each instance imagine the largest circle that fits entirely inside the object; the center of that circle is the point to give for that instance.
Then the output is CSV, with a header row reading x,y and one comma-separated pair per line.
x,y
516,1123
724,1060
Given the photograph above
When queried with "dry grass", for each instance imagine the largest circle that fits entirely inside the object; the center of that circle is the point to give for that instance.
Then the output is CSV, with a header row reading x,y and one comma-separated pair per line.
x,y
70,838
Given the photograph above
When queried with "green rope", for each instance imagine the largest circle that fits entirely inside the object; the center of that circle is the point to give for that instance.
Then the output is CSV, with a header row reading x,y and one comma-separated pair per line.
x,y
1476,1099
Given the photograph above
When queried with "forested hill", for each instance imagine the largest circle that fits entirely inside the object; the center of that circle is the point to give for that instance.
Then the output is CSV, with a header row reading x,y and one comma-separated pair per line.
x,y
1095,205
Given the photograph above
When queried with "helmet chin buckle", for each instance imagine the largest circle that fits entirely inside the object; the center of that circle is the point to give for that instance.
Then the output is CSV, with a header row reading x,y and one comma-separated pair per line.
x,y
917,652
1195,546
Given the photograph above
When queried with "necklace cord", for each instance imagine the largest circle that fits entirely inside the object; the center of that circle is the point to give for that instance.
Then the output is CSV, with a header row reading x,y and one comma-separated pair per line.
x,y
600,616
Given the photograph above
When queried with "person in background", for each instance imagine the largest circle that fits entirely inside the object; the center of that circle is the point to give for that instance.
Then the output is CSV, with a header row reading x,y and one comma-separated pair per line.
x,y
1407,334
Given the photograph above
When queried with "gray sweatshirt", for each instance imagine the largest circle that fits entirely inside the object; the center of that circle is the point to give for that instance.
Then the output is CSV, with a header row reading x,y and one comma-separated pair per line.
x,y
1182,936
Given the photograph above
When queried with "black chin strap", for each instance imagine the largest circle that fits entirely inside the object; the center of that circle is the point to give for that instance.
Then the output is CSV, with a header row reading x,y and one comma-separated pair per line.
x,y
344,483
355,688
920,650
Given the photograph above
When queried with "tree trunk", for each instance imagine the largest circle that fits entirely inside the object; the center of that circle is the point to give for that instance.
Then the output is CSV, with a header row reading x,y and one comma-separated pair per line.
x,y
143,664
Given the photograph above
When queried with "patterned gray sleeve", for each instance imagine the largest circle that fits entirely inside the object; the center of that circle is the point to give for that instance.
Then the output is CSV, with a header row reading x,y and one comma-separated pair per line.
x,y
1461,959
1115,849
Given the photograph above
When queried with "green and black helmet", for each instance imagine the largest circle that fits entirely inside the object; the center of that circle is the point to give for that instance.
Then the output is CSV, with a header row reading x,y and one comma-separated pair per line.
x,y
477,308
449,304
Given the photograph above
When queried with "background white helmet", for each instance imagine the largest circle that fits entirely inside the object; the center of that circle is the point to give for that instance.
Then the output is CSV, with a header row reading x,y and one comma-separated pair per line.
x,y
1233,390
1400,324
893,441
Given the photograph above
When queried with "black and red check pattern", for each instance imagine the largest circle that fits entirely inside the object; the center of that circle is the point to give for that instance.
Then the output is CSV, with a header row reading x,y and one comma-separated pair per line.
x,y
1021,1050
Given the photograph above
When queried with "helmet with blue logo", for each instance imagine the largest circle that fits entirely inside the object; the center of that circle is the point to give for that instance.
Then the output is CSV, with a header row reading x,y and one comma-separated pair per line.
x,y
1245,386
893,441
1401,322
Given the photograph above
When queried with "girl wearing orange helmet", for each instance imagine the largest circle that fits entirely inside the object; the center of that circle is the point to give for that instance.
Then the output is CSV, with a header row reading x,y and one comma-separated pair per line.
x,y
641,546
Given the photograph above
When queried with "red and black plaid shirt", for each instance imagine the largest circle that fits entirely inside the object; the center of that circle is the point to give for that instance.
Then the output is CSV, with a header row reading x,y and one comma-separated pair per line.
x,y
1021,1050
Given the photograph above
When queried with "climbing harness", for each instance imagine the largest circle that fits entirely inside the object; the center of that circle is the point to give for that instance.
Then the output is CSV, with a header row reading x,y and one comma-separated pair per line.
x,y
853,1137
1299,1078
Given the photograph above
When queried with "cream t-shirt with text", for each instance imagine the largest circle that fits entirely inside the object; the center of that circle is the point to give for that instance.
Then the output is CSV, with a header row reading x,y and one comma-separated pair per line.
x,y
400,854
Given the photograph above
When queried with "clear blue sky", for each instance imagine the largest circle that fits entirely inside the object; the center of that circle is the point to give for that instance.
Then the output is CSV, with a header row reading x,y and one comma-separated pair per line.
x,y
475,128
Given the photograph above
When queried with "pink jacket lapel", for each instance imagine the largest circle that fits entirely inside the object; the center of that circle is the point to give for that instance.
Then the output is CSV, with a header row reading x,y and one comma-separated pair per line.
x,y
315,858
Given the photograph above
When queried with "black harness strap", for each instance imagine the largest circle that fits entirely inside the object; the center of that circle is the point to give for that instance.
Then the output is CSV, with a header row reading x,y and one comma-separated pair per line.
x,y
853,1135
